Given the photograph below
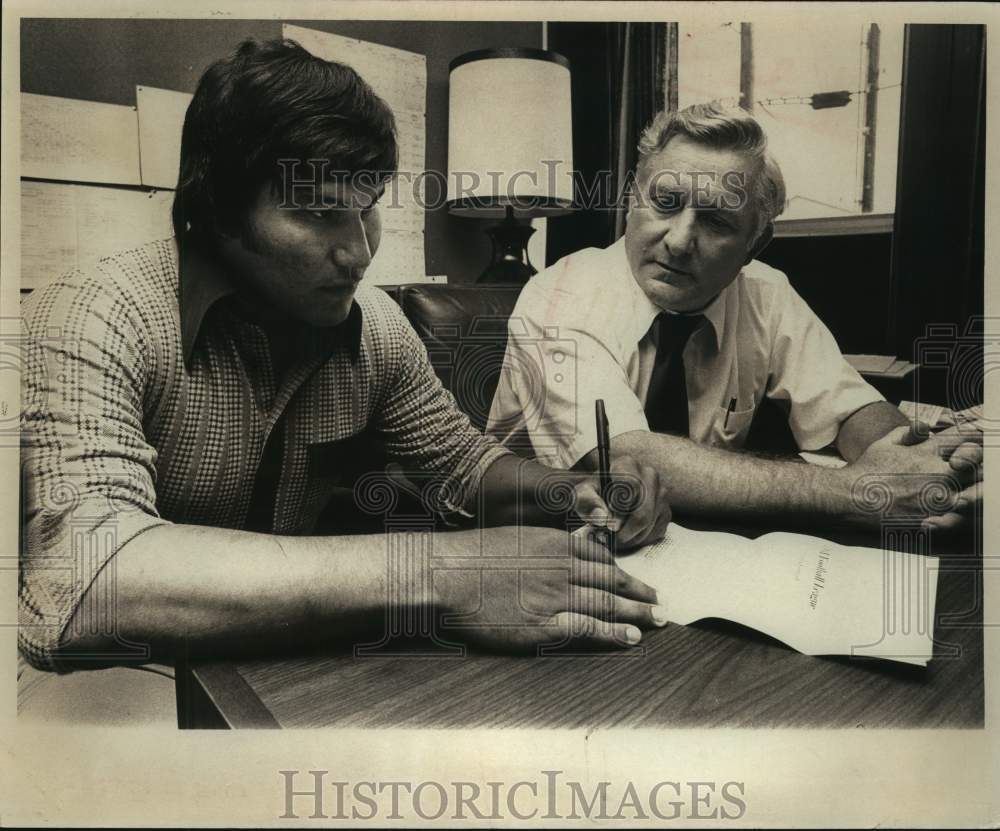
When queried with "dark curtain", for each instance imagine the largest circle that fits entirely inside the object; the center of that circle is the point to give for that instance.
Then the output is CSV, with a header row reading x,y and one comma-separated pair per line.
x,y
618,85
937,247
636,88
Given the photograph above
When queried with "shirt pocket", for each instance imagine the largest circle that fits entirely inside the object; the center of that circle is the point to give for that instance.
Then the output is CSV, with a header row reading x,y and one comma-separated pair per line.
x,y
731,426
333,469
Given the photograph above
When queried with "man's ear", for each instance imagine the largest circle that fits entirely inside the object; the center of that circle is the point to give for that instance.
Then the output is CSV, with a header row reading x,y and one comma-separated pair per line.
x,y
632,187
631,199
760,243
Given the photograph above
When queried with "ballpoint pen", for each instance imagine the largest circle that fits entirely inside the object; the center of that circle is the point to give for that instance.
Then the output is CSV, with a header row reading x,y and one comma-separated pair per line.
x,y
729,411
604,465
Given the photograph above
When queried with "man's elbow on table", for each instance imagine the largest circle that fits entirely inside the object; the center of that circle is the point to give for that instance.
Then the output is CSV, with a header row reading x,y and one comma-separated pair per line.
x,y
865,426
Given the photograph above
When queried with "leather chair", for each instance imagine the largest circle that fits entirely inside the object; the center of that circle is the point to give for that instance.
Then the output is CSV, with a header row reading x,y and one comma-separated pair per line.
x,y
464,328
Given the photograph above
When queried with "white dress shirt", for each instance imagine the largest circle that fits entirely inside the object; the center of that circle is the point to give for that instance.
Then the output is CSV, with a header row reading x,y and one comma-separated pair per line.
x,y
581,331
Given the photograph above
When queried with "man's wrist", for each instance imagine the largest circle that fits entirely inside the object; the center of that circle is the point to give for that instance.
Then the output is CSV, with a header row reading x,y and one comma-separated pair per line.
x,y
812,491
844,494
450,587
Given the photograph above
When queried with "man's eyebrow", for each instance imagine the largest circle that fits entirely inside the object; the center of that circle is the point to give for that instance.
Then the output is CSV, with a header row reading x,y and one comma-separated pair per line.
x,y
338,200
667,185
659,192
328,199
711,207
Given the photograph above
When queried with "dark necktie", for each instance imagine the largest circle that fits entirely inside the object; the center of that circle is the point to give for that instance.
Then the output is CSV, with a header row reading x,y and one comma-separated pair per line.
x,y
666,400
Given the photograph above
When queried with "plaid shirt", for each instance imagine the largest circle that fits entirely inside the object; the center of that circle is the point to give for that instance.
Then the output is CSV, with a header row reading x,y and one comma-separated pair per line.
x,y
149,396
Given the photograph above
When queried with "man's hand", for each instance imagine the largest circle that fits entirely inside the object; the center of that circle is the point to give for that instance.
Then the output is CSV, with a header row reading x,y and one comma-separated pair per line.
x,y
962,447
936,476
532,587
638,511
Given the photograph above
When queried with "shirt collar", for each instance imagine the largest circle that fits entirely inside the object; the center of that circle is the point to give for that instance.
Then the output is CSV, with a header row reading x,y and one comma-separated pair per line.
x,y
203,281
646,311
715,312
346,334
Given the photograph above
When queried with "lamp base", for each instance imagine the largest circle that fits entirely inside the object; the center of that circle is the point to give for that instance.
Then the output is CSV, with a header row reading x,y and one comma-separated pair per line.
x,y
510,263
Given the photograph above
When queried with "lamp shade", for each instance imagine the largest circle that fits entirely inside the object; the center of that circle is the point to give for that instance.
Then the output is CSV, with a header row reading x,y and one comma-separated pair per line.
x,y
510,133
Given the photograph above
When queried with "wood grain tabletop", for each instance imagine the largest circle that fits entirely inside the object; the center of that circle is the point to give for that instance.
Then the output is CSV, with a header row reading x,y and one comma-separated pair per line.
x,y
711,674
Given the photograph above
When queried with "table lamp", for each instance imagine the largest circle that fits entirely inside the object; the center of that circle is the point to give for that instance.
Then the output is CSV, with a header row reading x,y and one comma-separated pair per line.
x,y
510,148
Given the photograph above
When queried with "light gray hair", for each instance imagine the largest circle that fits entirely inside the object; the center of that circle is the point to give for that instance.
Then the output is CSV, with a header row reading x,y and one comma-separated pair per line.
x,y
727,129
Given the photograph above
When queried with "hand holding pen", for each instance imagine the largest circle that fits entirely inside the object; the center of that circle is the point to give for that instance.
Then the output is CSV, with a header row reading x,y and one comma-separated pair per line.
x,y
623,523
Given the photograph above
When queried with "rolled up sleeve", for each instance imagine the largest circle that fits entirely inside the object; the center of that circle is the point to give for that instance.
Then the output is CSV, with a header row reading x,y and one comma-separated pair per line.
x,y
809,371
88,472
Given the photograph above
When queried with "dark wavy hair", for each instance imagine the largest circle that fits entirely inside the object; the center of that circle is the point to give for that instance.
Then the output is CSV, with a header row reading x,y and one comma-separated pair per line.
x,y
267,101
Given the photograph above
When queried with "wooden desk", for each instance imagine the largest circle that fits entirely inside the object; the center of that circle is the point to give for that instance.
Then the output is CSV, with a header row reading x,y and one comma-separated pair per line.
x,y
712,674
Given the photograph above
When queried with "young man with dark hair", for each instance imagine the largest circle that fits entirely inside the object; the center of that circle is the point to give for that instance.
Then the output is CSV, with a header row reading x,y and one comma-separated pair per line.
x,y
189,404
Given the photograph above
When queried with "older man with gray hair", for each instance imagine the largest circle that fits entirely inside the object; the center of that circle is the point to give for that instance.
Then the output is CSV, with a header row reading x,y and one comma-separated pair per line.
x,y
683,334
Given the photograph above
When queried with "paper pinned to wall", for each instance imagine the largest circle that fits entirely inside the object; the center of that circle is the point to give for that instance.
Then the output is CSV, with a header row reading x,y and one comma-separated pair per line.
x,y
399,77
64,227
79,141
394,262
161,119
114,220
48,232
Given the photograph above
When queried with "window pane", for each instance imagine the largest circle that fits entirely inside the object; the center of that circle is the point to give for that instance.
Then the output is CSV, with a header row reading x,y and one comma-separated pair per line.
x,y
821,151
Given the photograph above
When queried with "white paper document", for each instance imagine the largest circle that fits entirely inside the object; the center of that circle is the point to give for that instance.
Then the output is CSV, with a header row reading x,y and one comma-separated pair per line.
x,y
818,597
823,458
870,363
931,414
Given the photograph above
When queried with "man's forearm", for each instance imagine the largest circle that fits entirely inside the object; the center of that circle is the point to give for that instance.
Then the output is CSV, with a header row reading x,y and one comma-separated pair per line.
x,y
214,593
707,480
212,588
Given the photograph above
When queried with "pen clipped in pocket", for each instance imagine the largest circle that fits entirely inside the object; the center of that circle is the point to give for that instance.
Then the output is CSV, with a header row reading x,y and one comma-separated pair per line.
x,y
733,423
